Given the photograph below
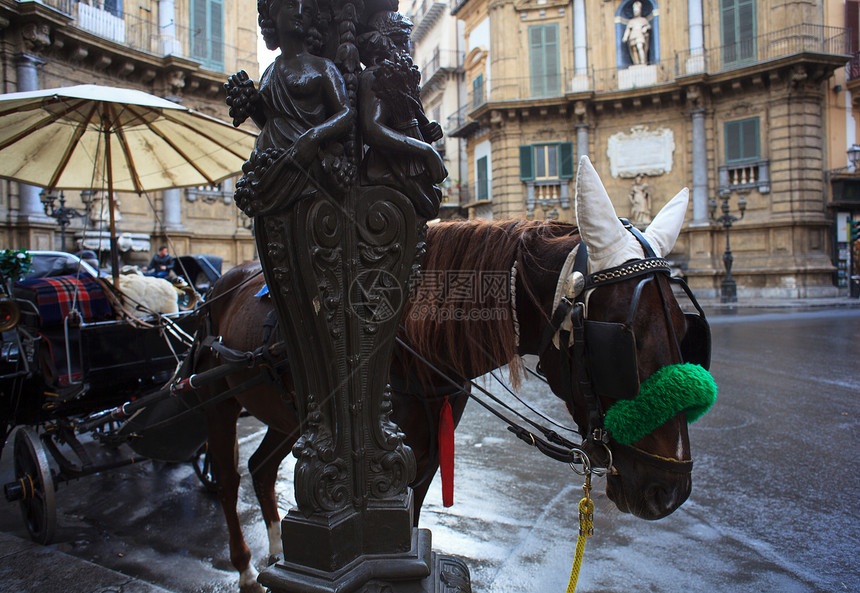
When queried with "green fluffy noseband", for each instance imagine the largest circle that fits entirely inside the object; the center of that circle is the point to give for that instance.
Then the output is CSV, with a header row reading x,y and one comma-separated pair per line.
x,y
673,389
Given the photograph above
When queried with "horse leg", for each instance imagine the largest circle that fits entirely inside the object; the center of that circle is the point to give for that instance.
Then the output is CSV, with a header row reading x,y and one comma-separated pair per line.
x,y
221,428
263,465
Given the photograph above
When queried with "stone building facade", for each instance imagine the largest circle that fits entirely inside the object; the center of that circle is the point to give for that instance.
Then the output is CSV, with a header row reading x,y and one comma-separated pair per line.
x,y
731,100
181,50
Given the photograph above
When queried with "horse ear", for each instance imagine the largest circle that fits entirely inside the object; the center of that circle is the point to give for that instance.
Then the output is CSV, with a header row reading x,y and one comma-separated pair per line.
x,y
609,243
664,229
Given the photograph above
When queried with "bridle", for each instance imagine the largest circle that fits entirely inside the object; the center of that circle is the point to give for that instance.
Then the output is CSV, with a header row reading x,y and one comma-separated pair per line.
x,y
605,353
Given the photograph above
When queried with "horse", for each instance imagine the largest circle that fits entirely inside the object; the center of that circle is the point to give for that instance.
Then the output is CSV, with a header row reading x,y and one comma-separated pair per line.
x,y
649,478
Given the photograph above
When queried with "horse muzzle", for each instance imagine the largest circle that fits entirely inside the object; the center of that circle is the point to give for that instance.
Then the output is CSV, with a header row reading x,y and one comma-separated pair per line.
x,y
647,486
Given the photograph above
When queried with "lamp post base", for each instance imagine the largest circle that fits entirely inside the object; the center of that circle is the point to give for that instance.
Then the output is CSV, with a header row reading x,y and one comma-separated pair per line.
x,y
419,570
728,291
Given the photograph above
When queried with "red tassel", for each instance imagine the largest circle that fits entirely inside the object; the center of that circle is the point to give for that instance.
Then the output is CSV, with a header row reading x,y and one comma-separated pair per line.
x,y
446,453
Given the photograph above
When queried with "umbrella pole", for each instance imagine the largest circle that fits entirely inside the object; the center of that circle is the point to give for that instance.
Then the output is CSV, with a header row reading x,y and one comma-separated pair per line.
x,y
114,252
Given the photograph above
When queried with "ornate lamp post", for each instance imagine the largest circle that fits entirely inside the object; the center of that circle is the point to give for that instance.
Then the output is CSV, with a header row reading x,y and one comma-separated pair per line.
x,y
728,288
340,186
61,213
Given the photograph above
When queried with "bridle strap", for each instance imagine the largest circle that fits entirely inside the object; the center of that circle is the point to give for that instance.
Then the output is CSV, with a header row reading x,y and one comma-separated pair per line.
x,y
678,466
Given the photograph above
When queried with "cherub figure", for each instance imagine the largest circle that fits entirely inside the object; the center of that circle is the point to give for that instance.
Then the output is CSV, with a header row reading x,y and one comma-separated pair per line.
x,y
392,120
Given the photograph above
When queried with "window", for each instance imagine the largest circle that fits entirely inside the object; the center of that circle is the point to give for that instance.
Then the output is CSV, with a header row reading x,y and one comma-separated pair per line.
x,y
478,91
483,188
737,22
114,7
742,140
540,162
207,33
544,60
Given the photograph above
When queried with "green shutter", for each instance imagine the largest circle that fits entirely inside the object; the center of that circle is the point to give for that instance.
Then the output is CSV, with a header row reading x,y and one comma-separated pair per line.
x,y
544,69
199,28
481,174
742,140
478,91
207,33
738,30
527,169
216,34
565,160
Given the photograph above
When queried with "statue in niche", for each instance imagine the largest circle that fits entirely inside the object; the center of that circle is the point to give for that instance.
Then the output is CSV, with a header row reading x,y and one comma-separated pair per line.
x,y
302,111
392,119
637,36
640,198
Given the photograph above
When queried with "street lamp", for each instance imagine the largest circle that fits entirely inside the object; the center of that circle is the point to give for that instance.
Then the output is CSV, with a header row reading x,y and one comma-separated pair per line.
x,y
853,154
61,213
728,288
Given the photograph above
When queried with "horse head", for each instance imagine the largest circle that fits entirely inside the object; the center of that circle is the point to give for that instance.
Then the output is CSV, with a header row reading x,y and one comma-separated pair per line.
x,y
621,325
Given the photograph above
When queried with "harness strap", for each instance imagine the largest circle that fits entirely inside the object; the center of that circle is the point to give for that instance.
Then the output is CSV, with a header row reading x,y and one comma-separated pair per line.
x,y
677,466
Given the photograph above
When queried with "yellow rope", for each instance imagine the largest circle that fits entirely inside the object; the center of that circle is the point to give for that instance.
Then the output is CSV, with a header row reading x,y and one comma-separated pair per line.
x,y
586,529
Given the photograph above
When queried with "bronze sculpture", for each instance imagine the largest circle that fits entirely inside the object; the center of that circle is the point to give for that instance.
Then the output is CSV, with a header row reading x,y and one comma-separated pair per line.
x,y
301,110
338,251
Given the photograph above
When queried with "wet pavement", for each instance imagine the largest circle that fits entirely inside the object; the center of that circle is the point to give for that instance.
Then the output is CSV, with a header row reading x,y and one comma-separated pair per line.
x,y
773,507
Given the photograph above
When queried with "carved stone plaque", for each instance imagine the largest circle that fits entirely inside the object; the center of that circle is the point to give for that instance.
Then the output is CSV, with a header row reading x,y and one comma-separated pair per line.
x,y
641,152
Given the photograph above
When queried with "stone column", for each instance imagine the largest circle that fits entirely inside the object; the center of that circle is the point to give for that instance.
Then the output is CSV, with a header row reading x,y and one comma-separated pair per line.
x,y
171,205
580,80
694,17
29,206
581,140
167,42
700,168
580,56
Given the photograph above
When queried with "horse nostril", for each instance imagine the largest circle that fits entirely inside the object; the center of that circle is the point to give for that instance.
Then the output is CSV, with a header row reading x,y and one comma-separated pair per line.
x,y
660,500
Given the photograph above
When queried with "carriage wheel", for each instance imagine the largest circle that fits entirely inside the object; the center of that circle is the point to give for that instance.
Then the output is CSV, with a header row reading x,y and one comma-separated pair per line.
x,y
187,299
34,474
203,467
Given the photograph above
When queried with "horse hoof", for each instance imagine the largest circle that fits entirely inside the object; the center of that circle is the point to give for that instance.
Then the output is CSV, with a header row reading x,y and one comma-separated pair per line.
x,y
252,588
273,558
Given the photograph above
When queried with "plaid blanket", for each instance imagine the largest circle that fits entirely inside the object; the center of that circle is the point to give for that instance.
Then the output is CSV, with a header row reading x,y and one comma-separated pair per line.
x,y
55,297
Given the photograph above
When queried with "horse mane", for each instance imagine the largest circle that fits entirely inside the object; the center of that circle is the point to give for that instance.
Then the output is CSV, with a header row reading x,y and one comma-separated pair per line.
x,y
462,297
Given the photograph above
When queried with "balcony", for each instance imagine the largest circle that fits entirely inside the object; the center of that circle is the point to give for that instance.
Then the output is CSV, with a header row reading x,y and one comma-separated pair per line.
x,y
804,38
746,176
139,34
440,63
833,42
426,18
545,193
100,22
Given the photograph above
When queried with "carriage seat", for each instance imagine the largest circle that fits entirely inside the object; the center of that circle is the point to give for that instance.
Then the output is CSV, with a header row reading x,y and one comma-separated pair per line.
x,y
55,296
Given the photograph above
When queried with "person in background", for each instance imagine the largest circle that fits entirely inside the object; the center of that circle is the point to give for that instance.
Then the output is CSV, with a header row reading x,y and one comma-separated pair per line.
x,y
161,265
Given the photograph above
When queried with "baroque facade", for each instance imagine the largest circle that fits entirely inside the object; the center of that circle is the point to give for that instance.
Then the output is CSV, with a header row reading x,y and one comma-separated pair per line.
x,y
729,98
180,50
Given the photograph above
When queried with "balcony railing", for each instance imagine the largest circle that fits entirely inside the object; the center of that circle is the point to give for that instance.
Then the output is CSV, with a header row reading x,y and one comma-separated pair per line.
x,y
140,34
785,42
750,175
439,61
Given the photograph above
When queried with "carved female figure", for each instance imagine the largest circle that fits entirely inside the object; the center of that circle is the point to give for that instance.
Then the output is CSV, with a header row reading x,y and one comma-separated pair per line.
x,y
301,109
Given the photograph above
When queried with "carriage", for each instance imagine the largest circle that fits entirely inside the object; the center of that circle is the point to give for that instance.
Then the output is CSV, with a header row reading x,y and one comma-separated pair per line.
x,y
80,379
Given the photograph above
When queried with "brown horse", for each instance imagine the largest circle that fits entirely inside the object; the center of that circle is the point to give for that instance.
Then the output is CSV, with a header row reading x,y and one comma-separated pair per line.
x,y
466,331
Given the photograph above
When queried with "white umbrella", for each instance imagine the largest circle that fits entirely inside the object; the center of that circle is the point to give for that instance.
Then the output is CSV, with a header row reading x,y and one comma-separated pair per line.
x,y
92,137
